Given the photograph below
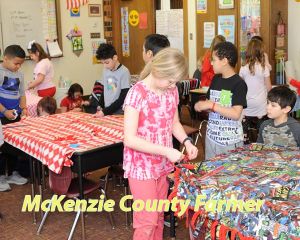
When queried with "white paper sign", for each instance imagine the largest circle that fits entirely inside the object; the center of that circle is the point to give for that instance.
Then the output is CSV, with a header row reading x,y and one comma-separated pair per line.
x,y
209,33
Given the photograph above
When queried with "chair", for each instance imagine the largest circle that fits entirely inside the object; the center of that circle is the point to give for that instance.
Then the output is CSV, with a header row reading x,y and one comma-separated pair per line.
x,y
117,171
64,184
200,116
184,88
190,131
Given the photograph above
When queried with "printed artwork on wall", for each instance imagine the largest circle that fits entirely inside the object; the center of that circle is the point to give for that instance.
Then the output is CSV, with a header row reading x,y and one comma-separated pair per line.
x,y
77,43
201,6
143,20
134,18
94,10
75,36
125,32
209,33
75,12
95,46
226,27
226,4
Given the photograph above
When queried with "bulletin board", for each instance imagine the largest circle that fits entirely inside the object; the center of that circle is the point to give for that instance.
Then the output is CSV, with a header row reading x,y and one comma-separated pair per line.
x,y
25,20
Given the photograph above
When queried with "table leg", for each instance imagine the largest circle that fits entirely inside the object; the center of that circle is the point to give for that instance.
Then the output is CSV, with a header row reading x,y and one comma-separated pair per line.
x,y
43,178
39,181
172,225
31,180
81,196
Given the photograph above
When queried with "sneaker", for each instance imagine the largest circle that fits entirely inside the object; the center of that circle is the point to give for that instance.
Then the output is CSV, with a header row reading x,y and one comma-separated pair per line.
x,y
167,222
15,178
4,186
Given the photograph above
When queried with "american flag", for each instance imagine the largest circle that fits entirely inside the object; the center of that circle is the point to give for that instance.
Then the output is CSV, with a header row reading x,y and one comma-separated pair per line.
x,y
75,3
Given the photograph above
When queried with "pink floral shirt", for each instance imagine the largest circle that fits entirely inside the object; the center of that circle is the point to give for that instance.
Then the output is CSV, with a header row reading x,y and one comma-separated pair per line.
x,y
156,114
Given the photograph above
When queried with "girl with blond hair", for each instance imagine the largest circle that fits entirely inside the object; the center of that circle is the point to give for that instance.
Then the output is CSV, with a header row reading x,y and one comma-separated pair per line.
x,y
150,120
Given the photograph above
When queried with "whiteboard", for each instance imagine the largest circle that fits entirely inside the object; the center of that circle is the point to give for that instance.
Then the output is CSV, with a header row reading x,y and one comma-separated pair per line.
x,y
25,20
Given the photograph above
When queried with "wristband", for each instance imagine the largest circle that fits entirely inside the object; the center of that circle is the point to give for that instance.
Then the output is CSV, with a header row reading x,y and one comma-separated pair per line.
x,y
213,107
187,139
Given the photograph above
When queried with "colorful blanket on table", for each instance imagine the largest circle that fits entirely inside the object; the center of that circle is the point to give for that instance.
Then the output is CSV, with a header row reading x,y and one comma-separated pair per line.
x,y
256,172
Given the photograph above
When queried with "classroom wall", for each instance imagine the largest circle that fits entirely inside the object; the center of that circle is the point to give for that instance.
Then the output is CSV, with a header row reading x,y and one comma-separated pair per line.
x,y
294,34
80,69
192,38
77,69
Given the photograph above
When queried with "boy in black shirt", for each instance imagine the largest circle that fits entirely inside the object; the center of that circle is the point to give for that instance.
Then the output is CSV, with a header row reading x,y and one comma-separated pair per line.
x,y
226,99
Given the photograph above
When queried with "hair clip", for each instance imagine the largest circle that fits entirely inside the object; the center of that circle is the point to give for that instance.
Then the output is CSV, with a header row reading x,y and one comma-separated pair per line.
x,y
30,44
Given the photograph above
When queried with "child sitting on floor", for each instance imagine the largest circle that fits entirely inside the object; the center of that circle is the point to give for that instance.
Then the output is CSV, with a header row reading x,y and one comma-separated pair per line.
x,y
281,129
73,102
46,106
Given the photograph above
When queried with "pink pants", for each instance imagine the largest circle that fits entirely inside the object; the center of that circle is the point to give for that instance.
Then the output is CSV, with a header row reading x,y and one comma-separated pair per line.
x,y
148,225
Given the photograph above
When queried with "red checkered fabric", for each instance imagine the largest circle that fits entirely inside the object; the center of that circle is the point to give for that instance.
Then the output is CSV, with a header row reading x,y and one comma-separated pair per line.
x,y
53,139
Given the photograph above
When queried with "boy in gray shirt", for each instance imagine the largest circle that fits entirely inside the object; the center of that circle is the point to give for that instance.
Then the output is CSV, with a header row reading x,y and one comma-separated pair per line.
x,y
281,129
116,81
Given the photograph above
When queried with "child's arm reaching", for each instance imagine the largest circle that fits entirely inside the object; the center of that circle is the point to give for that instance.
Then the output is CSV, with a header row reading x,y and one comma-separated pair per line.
x,y
23,106
180,135
268,83
9,114
233,112
39,79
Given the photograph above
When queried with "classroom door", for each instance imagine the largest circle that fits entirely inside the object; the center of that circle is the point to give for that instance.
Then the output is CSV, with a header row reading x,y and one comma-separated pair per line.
x,y
134,62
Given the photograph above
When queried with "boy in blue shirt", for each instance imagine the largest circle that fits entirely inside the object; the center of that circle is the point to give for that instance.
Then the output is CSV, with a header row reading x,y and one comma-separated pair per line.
x,y
12,106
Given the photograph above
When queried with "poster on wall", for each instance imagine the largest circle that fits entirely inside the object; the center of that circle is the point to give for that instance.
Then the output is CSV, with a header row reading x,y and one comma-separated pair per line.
x,y
201,6
226,27
75,12
250,24
170,24
143,20
209,33
77,43
134,18
95,44
125,32
226,4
